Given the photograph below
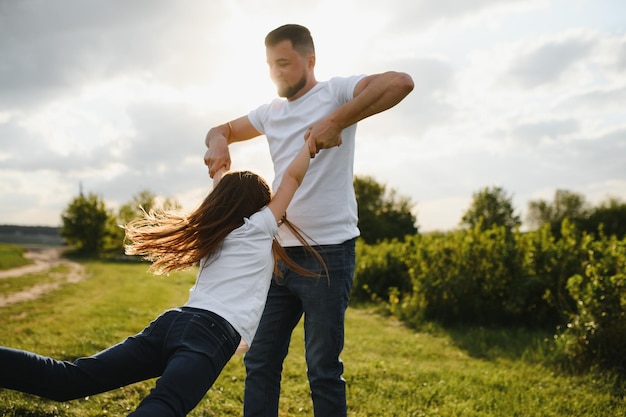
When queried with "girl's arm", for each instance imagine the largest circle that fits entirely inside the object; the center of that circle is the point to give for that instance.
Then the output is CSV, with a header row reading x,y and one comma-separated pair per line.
x,y
218,176
292,178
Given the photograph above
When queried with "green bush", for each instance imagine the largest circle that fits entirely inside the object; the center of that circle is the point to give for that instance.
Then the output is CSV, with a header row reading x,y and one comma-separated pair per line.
x,y
495,277
545,266
380,270
595,335
472,277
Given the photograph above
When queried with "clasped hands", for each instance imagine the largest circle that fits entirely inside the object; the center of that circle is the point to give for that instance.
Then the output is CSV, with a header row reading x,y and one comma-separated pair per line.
x,y
322,135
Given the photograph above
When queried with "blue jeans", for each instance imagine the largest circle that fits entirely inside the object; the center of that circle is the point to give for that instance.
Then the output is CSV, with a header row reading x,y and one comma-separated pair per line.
x,y
186,347
323,301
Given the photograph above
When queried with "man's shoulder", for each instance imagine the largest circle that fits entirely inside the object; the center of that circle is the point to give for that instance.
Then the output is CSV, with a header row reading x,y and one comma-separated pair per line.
x,y
343,87
350,79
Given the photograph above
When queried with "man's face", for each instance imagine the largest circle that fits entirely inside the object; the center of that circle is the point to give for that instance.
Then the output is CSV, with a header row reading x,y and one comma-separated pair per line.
x,y
288,70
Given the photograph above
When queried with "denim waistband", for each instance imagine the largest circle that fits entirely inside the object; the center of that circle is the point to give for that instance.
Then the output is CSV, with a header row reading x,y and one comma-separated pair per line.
x,y
210,314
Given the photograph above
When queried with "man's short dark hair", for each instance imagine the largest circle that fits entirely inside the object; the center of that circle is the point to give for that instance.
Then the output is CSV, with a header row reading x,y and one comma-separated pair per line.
x,y
300,37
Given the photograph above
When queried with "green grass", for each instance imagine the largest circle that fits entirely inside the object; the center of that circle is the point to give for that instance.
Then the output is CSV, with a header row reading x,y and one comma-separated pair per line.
x,y
12,256
390,370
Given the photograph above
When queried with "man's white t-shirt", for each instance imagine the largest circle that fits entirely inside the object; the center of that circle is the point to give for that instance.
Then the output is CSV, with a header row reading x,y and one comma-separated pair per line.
x,y
234,282
324,206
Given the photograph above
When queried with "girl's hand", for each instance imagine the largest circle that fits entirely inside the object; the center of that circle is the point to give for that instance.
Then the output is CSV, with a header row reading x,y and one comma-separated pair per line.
x,y
322,135
218,176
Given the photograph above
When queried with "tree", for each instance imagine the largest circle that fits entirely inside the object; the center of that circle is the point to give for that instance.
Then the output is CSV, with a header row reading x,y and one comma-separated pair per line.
x,y
382,213
85,222
610,216
144,200
94,230
491,207
566,205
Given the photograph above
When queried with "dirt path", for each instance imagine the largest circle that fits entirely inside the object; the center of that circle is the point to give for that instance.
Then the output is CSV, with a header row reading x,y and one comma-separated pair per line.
x,y
44,258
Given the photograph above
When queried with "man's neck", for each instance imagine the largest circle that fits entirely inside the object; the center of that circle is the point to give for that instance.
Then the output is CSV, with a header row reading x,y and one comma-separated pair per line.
x,y
307,87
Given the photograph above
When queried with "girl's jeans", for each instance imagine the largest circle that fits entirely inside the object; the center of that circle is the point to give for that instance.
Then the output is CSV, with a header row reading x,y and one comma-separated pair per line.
x,y
186,347
323,301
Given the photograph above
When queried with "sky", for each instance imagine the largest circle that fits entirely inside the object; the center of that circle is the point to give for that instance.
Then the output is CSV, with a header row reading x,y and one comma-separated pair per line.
x,y
115,97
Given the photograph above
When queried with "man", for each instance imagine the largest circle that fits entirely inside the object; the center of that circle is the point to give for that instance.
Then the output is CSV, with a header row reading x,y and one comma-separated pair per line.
x,y
324,208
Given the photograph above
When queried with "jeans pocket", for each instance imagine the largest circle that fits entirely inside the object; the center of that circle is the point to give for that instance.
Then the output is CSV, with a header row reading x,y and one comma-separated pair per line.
x,y
203,335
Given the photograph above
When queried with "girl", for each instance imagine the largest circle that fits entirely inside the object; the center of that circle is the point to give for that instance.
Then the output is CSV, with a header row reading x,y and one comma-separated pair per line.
x,y
231,236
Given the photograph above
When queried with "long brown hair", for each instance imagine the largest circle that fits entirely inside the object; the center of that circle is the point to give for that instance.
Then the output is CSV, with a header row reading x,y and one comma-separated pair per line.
x,y
175,242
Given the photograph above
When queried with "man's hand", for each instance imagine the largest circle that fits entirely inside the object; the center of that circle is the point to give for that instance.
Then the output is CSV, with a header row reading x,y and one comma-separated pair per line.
x,y
324,134
217,156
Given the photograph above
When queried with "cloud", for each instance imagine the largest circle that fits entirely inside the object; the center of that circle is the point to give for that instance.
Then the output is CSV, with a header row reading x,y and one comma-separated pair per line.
x,y
548,62
550,130
56,48
167,133
602,156
118,96
596,100
421,15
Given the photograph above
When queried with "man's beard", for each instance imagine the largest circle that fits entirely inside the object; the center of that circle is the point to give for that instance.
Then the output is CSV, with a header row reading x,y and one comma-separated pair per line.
x,y
290,91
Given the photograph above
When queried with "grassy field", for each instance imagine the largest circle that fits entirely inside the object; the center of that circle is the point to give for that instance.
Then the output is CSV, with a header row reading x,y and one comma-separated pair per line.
x,y
390,370
12,256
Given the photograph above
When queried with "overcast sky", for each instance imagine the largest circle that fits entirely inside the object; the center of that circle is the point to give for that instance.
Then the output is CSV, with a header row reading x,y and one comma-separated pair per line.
x,y
117,96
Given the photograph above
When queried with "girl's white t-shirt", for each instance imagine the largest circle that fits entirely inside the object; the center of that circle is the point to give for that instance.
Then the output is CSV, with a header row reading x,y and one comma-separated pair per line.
x,y
234,282
324,206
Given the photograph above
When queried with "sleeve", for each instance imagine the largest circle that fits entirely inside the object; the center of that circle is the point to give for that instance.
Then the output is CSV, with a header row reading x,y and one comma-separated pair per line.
x,y
258,117
343,87
264,220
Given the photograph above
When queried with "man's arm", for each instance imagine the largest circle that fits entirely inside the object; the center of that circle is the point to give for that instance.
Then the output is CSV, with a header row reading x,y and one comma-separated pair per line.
x,y
219,137
372,95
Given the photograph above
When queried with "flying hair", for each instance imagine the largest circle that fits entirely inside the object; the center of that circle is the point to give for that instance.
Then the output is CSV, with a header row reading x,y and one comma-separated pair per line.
x,y
173,241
